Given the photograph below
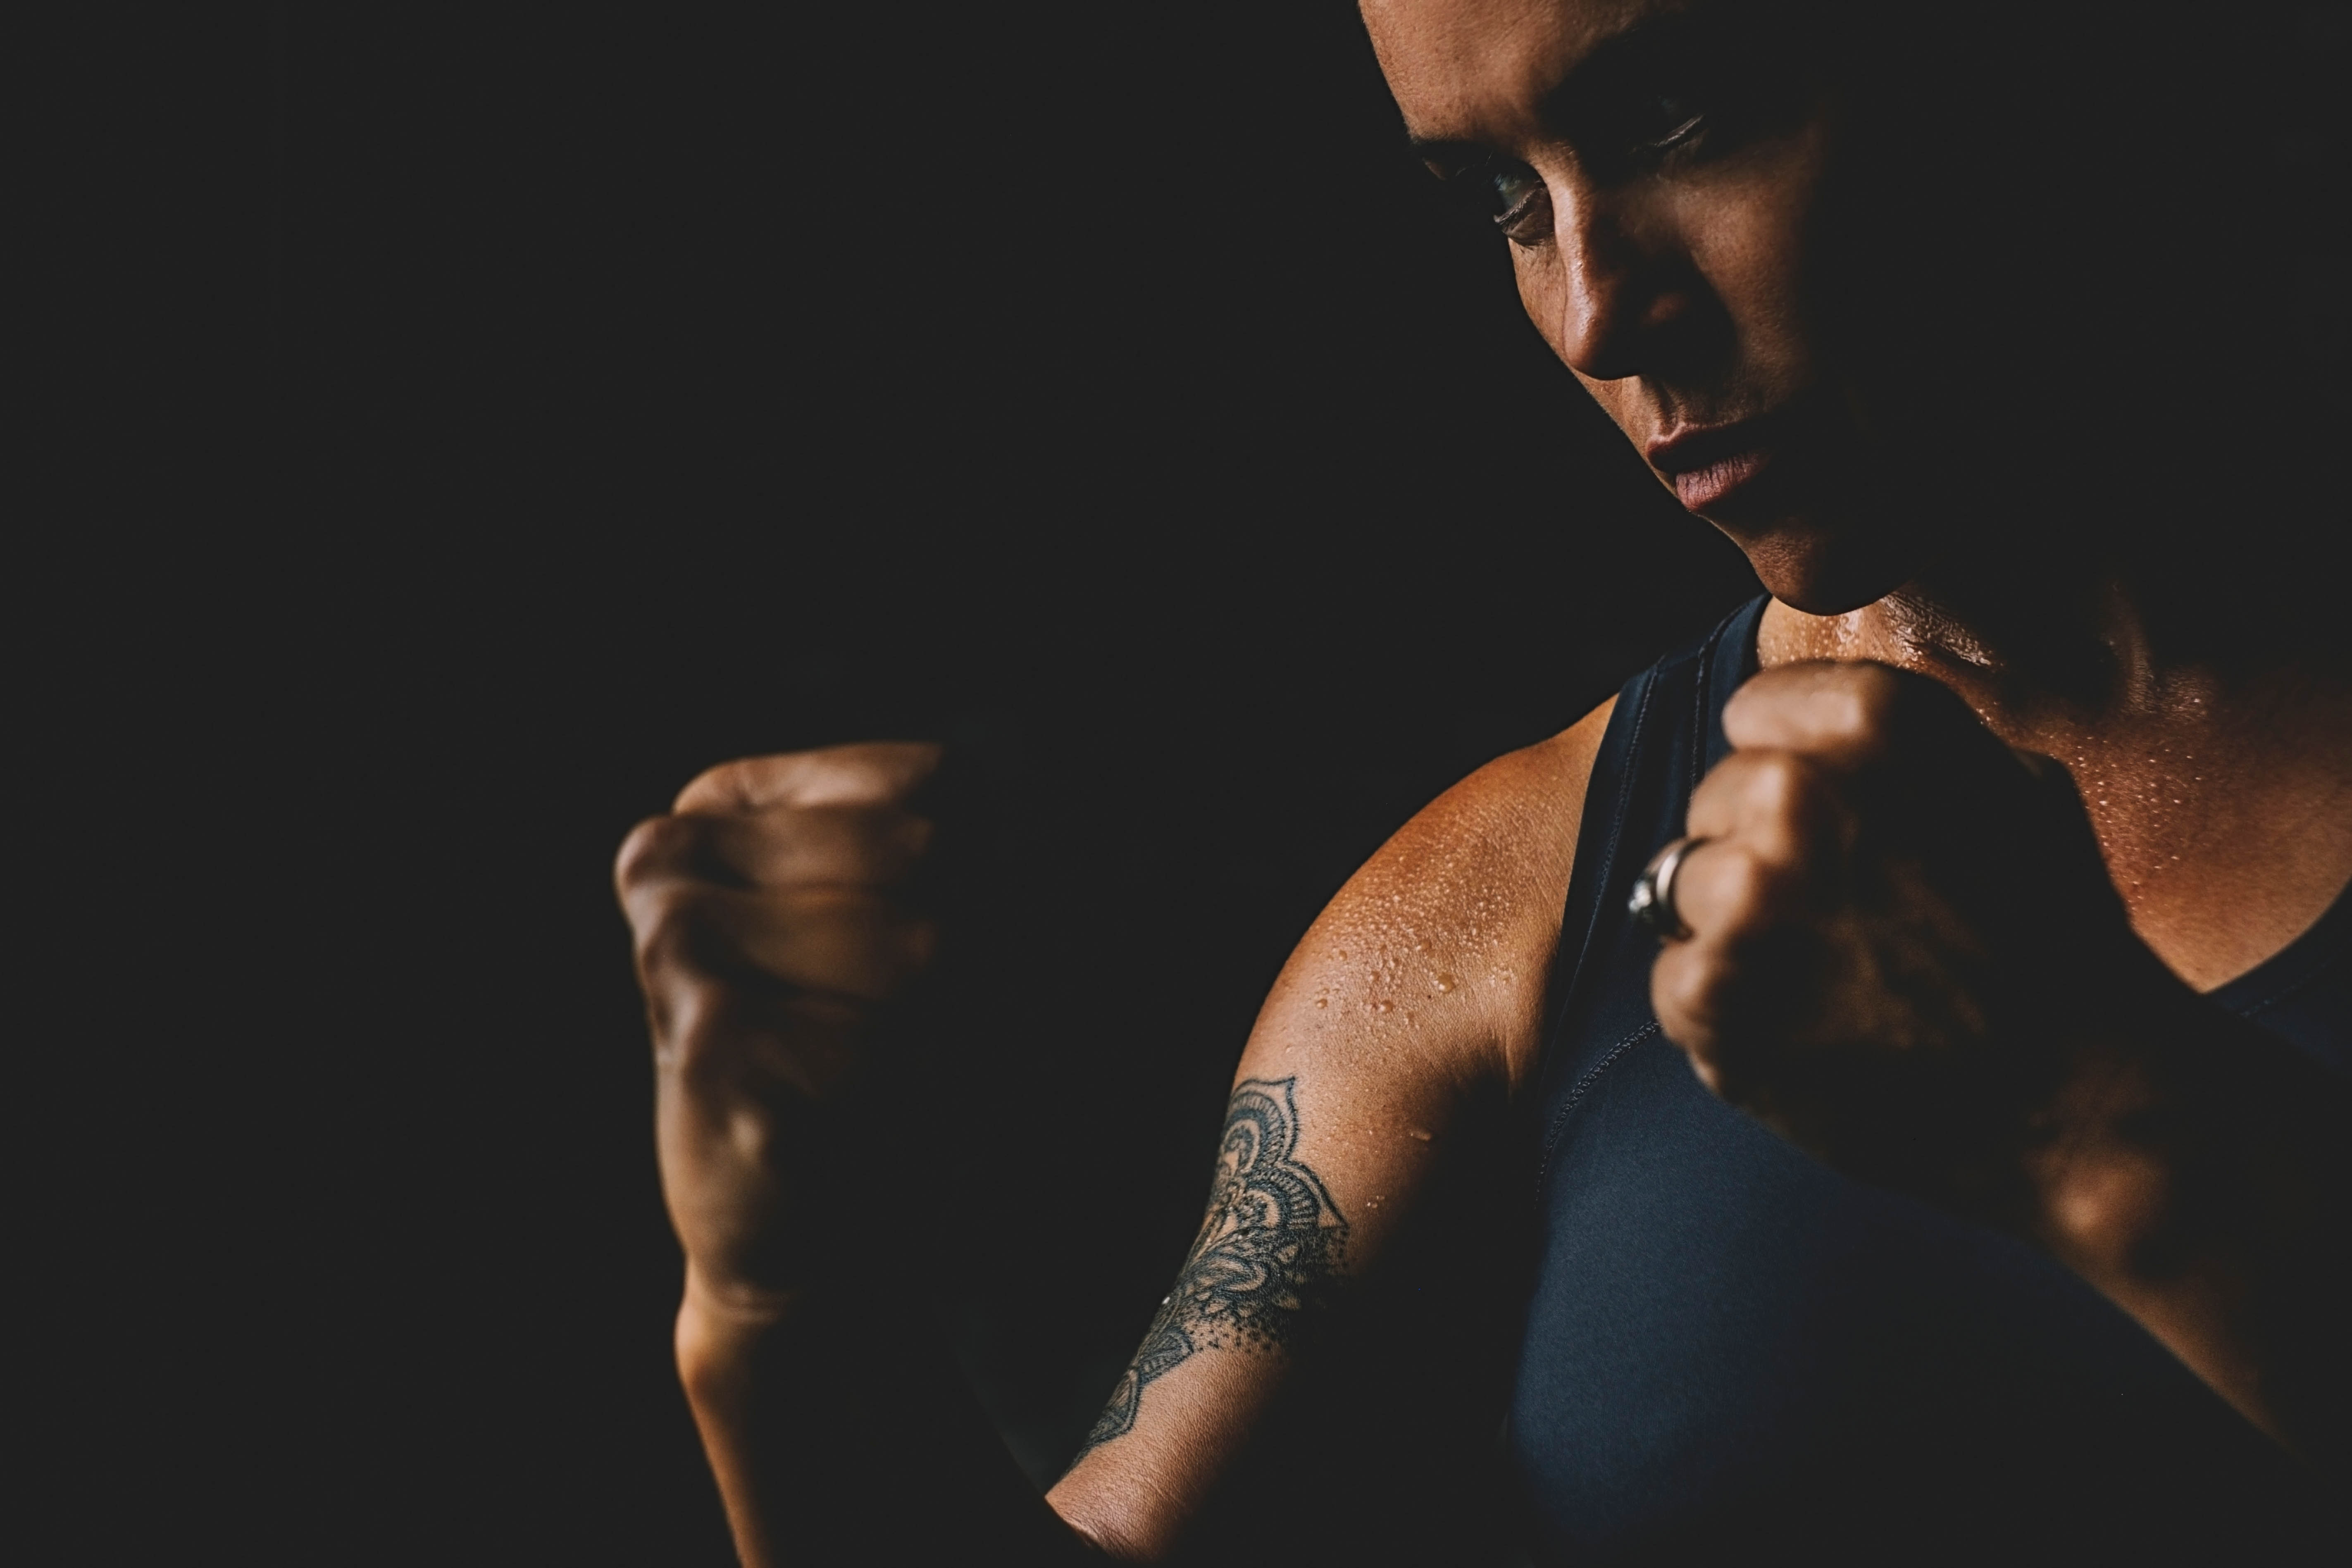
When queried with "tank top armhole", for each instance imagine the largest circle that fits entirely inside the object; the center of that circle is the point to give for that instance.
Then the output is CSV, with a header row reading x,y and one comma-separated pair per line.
x,y
1671,710
1607,799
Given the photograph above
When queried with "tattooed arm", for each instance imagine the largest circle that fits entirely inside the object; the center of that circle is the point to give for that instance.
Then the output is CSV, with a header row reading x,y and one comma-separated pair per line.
x,y
1266,1260
1410,1011
771,934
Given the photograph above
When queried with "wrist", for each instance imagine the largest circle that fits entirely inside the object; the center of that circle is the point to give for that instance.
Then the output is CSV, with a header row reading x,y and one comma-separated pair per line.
x,y
2133,1121
2101,1196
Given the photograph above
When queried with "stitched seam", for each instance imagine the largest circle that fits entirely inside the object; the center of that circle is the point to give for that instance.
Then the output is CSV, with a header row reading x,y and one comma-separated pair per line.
x,y
1609,856
1592,924
2281,994
1700,718
1703,712
1698,723
1560,1118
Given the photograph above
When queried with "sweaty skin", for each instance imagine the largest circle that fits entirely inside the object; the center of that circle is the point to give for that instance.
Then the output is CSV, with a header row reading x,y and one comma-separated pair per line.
x,y
1414,996
1679,185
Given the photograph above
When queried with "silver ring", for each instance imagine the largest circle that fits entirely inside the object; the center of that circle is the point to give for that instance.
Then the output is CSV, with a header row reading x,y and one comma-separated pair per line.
x,y
1653,903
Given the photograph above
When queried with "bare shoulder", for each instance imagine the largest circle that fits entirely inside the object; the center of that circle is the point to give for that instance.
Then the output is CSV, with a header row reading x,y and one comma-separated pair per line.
x,y
1441,943
1417,992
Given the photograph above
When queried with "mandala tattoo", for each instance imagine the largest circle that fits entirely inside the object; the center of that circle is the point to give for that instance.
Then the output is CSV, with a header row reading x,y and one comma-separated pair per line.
x,y
1268,1253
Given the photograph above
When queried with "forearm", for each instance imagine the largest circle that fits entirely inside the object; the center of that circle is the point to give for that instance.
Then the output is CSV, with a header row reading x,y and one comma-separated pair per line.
x,y
840,1430
2201,1181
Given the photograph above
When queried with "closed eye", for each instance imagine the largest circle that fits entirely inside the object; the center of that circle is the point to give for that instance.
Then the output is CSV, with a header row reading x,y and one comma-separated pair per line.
x,y
1502,191
1686,131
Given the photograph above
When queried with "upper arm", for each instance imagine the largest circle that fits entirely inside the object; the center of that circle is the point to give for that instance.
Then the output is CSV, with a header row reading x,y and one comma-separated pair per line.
x,y
1415,998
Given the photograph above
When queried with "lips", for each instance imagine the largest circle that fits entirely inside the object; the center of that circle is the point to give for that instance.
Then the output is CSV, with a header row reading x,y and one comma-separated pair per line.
x,y
1709,465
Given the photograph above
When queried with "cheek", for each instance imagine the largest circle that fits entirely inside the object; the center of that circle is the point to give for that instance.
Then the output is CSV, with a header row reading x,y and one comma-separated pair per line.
x,y
1542,292
1537,273
1757,244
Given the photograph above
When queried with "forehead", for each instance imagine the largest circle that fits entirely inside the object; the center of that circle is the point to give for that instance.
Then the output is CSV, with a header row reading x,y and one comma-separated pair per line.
x,y
1475,69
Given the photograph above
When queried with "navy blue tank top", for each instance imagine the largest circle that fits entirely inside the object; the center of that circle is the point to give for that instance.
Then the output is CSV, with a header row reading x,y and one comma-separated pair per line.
x,y
1731,1347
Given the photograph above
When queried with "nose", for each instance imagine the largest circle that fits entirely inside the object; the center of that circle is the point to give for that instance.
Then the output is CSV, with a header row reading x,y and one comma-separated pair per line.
x,y
1623,296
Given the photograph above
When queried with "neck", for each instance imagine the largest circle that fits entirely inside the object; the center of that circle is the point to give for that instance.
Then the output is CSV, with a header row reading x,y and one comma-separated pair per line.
x,y
2212,756
2038,639
2030,649
2036,647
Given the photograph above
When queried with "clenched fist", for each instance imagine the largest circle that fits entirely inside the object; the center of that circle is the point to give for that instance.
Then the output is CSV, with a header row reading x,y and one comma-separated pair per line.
x,y
1904,952
774,932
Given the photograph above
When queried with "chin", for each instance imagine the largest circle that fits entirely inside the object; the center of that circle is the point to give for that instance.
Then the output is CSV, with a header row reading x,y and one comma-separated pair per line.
x,y
1819,567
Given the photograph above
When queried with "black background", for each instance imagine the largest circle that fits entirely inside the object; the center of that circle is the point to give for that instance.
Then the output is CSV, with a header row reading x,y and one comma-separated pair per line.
x,y
504,413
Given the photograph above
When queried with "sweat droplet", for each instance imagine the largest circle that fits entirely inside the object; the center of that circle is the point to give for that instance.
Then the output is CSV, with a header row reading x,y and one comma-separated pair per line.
x,y
1445,984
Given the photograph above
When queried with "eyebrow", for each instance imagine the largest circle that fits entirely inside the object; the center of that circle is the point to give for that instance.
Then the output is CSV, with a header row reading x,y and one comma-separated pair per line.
x,y
1612,63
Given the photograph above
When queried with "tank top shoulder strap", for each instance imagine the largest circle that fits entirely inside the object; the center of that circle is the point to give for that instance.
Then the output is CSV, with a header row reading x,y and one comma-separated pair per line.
x,y
1664,734
2305,993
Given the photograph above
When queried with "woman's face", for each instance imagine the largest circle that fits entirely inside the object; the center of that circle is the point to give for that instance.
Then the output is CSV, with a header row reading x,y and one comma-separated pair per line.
x,y
1695,242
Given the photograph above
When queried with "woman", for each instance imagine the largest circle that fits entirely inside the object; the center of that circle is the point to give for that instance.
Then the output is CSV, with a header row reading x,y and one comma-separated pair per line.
x,y
1988,874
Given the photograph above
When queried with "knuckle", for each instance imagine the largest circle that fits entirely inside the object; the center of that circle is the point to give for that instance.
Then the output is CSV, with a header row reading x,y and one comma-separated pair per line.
x,y
753,1136
700,1039
1683,988
875,833
1777,781
865,771
1787,792
1708,1077
1745,896
654,848
725,781
881,772
1711,808
672,924
685,1004
1890,698
886,756
1865,697
629,861
1743,885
